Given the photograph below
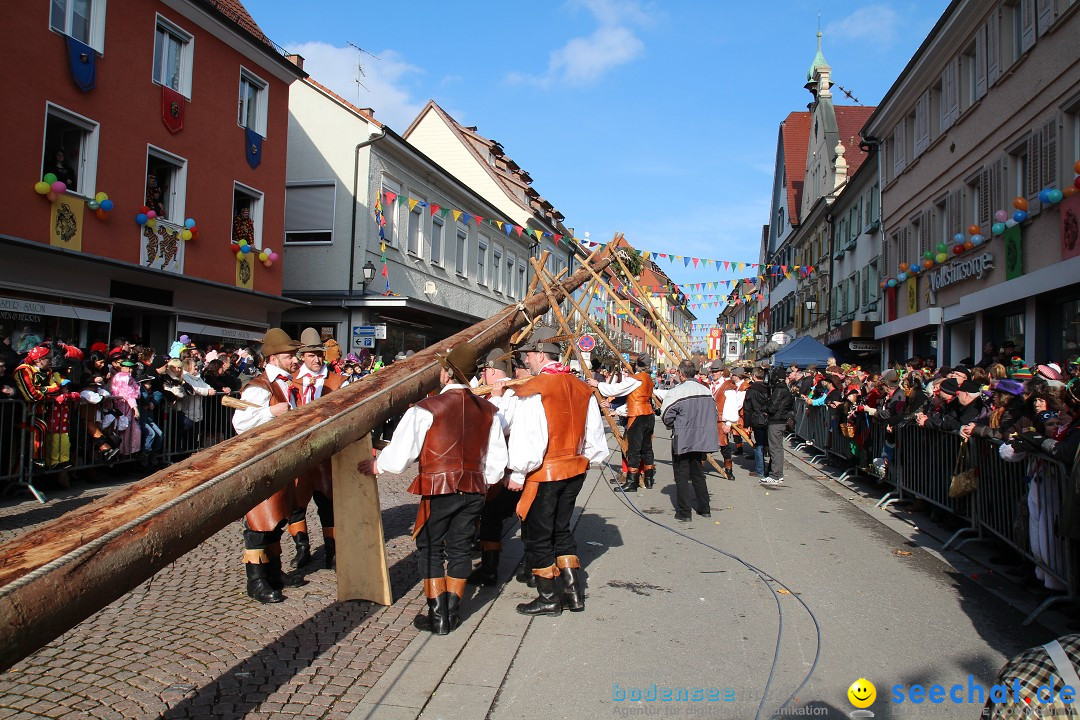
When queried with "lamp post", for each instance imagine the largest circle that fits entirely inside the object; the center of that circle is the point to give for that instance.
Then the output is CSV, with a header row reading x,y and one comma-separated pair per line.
x,y
369,274
811,305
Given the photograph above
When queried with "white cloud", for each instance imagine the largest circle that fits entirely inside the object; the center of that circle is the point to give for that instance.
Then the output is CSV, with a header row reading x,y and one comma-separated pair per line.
x,y
876,23
585,59
386,79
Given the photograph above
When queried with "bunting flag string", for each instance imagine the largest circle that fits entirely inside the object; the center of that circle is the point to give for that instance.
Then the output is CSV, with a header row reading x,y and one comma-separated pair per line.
x,y
511,230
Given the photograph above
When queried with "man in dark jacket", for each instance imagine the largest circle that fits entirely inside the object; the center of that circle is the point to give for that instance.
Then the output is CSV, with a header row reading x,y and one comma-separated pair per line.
x,y
781,408
689,410
756,415
968,408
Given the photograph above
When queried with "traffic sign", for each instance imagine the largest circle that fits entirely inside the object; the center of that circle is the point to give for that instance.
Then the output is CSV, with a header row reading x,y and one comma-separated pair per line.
x,y
363,331
363,342
586,343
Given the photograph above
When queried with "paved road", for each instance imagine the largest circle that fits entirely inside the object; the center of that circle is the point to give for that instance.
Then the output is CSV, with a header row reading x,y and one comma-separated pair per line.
x,y
662,610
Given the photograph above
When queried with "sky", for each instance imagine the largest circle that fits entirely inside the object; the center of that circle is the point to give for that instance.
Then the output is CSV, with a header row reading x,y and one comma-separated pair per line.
x,y
655,119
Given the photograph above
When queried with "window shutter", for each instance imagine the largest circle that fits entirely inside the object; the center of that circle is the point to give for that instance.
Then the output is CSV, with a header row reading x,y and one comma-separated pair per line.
x,y
984,198
954,215
1050,159
993,47
997,179
953,71
921,125
905,245
980,62
1027,24
1033,183
865,283
925,241
899,161
855,292
885,267
309,208
1047,15
944,118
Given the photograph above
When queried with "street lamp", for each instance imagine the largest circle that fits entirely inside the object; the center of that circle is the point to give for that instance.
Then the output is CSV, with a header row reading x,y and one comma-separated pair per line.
x,y
369,274
811,305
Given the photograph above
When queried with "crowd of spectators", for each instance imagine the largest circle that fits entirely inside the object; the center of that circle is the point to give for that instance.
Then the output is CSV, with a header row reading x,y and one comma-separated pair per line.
x,y
109,402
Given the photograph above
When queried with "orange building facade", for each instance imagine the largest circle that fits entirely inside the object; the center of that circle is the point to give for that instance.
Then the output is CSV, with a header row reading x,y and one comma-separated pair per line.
x,y
178,106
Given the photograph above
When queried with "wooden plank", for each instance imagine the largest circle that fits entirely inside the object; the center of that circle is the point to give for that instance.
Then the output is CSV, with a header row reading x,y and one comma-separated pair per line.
x,y
362,573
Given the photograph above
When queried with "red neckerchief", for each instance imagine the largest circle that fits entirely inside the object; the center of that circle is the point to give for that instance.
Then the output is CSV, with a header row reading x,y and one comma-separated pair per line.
x,y
555,368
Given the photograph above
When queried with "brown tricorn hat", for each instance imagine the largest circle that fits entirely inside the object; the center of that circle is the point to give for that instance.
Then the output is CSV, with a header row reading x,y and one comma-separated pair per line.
x,y
277,341
459,362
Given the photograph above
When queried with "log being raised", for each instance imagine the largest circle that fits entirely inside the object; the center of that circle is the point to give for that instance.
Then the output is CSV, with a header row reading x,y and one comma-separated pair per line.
x,y
55,576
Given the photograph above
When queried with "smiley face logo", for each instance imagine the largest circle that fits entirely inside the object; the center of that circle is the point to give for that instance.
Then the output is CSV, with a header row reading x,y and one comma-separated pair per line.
x,y
862,693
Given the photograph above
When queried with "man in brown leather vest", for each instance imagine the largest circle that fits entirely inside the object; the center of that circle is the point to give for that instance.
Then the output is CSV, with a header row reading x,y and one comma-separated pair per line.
x,y
270,394
640,422
313,380
459,443
557,433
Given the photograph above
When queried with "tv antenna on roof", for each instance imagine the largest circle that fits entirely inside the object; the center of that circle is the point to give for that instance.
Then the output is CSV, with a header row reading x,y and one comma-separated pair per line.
x,y
359,69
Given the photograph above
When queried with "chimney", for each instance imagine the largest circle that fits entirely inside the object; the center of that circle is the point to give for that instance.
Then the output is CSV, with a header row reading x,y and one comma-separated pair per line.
x,y
369,111
297,60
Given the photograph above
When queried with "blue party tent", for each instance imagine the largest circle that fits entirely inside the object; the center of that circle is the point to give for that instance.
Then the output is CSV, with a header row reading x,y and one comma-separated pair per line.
x,y
802,352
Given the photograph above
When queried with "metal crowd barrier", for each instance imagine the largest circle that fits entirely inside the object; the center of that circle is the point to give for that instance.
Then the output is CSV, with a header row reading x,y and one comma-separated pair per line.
x,y
29,453
923,462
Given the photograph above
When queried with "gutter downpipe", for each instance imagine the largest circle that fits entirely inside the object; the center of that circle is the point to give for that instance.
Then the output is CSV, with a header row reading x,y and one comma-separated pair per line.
x,y
352,230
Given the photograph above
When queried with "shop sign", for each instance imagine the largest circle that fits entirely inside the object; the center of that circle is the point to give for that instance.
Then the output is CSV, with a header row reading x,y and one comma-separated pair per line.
x,y
864,346
252,336
834,336
22,310
954,272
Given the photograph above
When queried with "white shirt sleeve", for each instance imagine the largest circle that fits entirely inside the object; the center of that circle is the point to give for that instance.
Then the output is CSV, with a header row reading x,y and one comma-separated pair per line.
x,y
506,404
528,438
596,447
619,389
407,441
495,461
246,418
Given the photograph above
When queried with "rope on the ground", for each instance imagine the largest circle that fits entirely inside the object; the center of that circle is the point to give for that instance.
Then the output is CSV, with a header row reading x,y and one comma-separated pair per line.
x,y
767,579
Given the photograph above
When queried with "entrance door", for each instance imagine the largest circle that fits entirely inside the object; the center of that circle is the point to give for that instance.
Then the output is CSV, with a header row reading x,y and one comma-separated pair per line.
x,y
151,327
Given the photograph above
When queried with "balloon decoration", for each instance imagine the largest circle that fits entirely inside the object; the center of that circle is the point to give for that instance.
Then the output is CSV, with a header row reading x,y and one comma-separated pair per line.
x,y
1020,203
1001,216
998,228
901,277
928,263
1020,216
941,257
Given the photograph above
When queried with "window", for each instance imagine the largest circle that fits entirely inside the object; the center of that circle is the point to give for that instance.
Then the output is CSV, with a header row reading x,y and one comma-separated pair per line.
x,y
83,20
875,203
389,211
462,243
496,268
969,63
172,57
481,261
71,150
437,225
309,213
1018,159
522,287
251,200
166,185
414,234
941,227
972,201
511,263
252,114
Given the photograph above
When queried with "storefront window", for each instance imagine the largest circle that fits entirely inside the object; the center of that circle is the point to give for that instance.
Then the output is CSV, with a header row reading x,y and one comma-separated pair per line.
x,y
26,322
926,343
1070,330
1013,326
898,348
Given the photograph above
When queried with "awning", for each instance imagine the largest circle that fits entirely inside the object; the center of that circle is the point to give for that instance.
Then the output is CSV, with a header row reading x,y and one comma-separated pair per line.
x,y
23,309
252,334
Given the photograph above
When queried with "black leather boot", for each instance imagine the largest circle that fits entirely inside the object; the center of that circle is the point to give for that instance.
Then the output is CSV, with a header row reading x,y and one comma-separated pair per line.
x,y
453,611
631,482
488,572
548,602
280,580
303,550
525,575
330,546
258,586
650,478
438,613
573,589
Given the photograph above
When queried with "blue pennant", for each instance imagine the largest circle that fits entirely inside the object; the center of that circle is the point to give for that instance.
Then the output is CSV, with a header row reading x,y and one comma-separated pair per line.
x,y
253,147
83,62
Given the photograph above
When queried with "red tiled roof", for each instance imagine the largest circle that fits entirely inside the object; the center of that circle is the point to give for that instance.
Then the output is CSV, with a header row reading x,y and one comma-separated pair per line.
x,y
796,134
850,119
235,11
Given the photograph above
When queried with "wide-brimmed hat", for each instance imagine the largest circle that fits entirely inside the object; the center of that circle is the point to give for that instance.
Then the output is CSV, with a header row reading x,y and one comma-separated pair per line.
x,y
497,359
310,341
643,362
538,342
277,341
459,362
890,378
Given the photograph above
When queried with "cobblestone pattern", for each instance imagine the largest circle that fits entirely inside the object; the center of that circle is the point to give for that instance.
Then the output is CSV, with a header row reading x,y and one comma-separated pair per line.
x,y
189,643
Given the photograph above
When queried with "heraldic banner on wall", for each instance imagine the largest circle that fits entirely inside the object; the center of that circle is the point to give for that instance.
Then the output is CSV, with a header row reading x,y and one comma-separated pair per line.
x,y
245,272
161,247
66,222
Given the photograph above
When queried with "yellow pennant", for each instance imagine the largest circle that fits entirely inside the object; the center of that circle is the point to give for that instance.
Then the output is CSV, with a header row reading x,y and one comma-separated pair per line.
x,y
412,204
457,214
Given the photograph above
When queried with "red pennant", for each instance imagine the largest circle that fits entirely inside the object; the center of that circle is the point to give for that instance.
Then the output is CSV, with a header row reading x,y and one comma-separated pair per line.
x,y
727,264
478,219
385,271
557,238
784,269
389,196
517,229
172,109
695,261
434,208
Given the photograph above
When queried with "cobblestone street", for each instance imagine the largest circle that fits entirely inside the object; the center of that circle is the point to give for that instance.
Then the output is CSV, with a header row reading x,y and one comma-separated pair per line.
x,y
190,643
